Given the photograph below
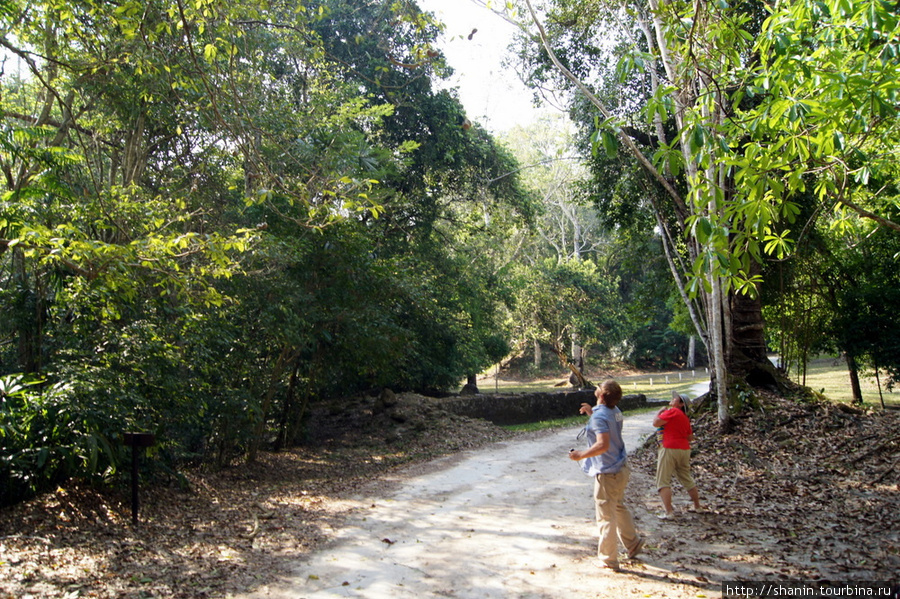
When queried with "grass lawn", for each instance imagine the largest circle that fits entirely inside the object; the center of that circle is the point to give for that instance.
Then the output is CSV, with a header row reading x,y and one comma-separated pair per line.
x,y
565,422
656,385
830,377
827,375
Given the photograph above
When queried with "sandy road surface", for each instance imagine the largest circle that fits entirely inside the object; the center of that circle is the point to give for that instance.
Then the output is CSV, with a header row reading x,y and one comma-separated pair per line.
x,y
514,519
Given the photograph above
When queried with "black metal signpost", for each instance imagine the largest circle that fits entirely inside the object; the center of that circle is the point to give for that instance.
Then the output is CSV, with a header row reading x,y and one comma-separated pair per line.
x,y
136,441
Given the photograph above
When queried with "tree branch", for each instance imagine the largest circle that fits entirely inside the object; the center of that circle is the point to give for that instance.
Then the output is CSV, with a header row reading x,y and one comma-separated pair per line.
x,y
593,99
871,215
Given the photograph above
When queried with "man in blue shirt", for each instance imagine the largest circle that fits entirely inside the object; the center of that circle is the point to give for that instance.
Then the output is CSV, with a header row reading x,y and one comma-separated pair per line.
x,y
606,461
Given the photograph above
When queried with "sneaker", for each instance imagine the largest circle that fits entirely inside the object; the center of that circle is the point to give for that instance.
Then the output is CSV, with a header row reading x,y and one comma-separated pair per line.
x,y
638,548
667,516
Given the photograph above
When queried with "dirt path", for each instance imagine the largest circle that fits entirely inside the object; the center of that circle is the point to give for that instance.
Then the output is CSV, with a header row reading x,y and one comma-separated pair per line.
x,y
514,519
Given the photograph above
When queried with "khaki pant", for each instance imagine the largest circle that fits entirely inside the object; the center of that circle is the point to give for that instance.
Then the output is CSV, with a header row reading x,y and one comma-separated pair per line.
x,y
674,462
614,521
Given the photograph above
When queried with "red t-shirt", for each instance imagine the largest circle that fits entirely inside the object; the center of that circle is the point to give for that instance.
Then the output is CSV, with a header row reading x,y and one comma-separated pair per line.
x,y
677,431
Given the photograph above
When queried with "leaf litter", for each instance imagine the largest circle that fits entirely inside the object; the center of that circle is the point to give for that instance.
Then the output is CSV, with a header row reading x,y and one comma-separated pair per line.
x,y
234,529
803,491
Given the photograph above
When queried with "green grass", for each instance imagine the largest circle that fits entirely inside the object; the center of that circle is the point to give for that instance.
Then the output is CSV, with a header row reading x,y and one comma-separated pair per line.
x,y
657,385
529,427
572,421
829,376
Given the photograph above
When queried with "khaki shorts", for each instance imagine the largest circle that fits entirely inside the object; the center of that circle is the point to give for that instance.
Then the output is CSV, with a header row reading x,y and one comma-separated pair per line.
x,y
674,462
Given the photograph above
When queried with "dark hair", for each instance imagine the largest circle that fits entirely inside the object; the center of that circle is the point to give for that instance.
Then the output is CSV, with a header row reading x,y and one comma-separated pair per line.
x,y
611,392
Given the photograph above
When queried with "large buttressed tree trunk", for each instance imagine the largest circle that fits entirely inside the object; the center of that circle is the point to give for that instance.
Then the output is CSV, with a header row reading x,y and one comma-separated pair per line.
x,y
745,356
748,358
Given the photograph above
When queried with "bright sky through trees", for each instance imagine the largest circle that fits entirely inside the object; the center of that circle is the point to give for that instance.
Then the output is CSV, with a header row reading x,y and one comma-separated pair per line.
x,y
475,44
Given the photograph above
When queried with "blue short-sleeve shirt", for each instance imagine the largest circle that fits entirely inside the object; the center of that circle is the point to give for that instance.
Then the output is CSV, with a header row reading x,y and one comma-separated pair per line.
x,y
605,420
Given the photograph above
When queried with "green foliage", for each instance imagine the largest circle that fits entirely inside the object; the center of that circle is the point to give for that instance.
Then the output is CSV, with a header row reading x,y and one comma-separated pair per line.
x,y
606,219
48,434
750,107
216,213
561,302
818,117
838,297
865,319
653,337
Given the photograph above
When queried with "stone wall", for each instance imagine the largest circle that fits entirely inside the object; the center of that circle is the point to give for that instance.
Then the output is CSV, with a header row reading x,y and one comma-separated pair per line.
x,y
521,408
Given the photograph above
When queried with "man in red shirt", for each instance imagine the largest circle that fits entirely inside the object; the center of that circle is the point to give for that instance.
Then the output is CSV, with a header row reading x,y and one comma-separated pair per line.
x,y
674,457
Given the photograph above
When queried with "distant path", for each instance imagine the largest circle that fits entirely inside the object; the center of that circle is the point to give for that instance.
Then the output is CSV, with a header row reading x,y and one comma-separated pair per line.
x,y
514,519
699,389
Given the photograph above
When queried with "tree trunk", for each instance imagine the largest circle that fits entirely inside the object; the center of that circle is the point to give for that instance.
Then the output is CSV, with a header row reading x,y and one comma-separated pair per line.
x,y
745,360
853,367
471,386
27,324
285,357
717,337
577,350
748,359
291,413
537,355
577,379
878,382
692,352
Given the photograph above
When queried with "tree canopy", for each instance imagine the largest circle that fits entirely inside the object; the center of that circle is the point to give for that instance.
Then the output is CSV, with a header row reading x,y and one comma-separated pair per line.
x,y
215,213
733,112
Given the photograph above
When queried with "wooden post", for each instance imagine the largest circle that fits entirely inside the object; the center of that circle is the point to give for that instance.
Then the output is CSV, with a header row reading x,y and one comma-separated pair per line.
x,y
136,441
